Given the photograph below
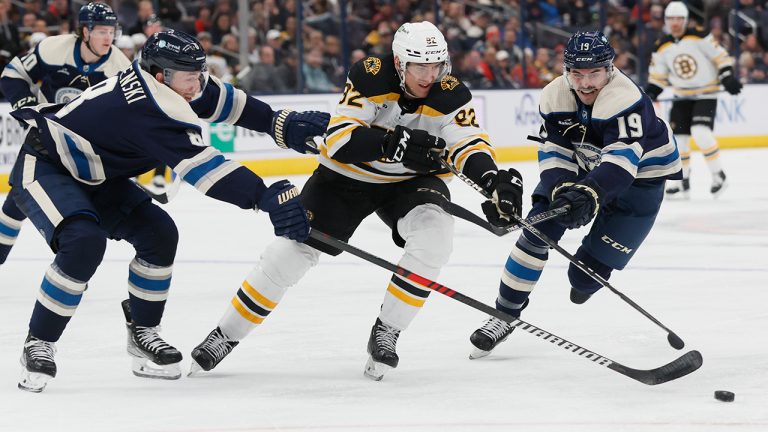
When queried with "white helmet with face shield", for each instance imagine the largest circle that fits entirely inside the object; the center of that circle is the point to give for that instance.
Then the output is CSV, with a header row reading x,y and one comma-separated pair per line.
x,y
420,43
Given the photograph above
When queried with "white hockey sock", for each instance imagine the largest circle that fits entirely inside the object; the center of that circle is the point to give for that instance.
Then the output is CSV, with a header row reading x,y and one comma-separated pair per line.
x,y
684,148
706,141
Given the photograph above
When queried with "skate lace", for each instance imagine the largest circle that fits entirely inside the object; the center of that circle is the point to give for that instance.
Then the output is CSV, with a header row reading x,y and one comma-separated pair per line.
x,y
150,340
216,345
386,337
41,350
495,328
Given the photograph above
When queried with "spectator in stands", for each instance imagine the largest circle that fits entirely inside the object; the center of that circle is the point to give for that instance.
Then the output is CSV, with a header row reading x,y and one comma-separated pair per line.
x,y
10,43
289,69
222,24
145,11
33,7
263,76
152,26
217,65
168,11
469,71
40,26
332,61
230,48
578,15
203,22
57,12
542,64
531,73
275,41
315,79
356,56
502,79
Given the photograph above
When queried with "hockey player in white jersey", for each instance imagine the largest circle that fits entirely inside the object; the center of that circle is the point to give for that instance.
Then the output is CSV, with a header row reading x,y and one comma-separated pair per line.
x,y
59,69
72,180
603,153
695,65
395,112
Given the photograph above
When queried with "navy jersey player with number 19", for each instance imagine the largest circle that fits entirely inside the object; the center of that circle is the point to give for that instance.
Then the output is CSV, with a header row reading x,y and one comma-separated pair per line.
x,y
604,153
72,180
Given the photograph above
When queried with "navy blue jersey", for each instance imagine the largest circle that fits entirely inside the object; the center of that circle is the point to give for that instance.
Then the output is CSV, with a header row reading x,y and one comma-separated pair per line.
x,y
616,141
129,123
57,69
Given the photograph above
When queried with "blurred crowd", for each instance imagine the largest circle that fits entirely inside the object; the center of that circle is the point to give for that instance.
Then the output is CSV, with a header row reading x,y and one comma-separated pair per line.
x,y
493,43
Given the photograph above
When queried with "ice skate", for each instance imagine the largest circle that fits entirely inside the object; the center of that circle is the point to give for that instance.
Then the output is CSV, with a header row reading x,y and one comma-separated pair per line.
x,y
211,352
152,356
493,332
679,190
381,346
719,184
38,365
579,297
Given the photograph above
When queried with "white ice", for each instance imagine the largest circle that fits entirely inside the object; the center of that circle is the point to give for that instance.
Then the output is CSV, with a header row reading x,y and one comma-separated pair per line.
x,y
702,272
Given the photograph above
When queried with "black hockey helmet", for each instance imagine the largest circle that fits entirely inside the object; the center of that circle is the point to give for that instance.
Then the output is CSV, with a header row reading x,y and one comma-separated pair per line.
x,y
588,50
174,50
93,14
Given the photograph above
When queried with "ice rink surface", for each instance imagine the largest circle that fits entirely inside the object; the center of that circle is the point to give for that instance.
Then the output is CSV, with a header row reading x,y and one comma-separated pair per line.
x,y
703,272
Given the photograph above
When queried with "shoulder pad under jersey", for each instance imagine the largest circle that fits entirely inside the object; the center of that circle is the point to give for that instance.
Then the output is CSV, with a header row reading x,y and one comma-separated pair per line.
x,y
617,97
375,76
556,98
448,95
57,50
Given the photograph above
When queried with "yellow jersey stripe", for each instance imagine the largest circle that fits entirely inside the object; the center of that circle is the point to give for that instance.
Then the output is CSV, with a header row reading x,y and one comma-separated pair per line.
x,y
338,119
380,99
267,303
333,139
405,298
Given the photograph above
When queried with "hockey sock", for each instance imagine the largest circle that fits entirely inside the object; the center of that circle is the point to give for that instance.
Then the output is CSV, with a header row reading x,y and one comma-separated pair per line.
x,y
683,147
706,141
521,272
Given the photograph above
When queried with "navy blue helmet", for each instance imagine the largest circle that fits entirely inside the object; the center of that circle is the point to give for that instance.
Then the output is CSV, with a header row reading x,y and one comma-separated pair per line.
x,y
588,50
94,14
173,50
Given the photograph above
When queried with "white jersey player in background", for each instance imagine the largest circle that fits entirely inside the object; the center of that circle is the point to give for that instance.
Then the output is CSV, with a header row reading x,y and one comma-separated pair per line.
x,y
377,158
695,65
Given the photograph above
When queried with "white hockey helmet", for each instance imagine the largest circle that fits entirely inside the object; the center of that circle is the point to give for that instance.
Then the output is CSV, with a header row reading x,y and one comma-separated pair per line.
x,y
676,9
420,42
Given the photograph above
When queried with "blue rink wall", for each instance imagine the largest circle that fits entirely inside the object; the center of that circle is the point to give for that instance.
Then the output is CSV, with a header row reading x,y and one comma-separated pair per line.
x,y
509,116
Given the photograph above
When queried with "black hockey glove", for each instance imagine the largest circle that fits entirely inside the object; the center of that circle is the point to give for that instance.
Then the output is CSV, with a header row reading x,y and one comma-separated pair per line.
x,y
653,91
583,199
296,130
415,148
506,186
281,201
729,81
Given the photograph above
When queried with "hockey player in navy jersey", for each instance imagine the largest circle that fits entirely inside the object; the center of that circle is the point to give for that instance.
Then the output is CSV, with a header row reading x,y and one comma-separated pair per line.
x,y
72,180
395,111
604,153
61,67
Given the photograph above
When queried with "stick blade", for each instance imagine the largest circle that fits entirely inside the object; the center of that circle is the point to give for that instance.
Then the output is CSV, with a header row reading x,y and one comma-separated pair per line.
x,y
678,368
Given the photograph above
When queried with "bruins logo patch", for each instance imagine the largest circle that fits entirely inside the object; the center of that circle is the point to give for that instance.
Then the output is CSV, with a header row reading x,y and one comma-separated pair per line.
x,y
372,65
449,82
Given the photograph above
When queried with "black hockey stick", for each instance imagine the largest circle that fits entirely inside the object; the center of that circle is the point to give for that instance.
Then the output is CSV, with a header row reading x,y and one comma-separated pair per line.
x,y
679,367
462,213
687,98
673,339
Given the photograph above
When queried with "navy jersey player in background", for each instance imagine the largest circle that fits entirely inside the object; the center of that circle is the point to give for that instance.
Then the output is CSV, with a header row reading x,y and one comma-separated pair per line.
x,y
603,152
61,67
377,158
72,180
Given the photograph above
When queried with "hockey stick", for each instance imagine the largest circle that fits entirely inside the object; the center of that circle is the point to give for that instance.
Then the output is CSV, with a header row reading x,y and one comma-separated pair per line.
x,y
679,367
687,98
462,213
673,339
169,192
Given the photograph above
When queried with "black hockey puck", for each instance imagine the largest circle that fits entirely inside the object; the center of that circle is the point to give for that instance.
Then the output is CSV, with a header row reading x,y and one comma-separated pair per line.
x,y
725,396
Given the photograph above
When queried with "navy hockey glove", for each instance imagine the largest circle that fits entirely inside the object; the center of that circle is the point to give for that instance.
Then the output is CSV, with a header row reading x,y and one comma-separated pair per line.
x,y
295,130
506,186
414,148
281,201
583,199
729,81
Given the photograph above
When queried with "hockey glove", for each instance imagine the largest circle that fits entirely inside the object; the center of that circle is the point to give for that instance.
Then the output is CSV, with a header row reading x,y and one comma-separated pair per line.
x,y
506,186
729,81
653,91
281,201
296,130
416,149
583,199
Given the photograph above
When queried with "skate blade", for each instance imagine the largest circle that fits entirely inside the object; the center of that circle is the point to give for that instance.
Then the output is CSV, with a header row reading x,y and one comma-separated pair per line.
x,y
34,382
195,370
678,196
147,369
478,353
375,370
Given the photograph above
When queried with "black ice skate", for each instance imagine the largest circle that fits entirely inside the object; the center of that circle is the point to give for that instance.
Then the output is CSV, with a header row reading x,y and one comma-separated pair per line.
x,y
679,190
211,351
579,297
719,184
493,332
381,347
152,356
38,365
